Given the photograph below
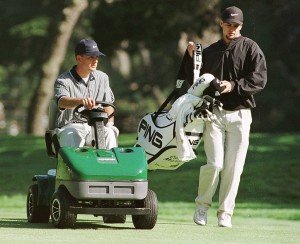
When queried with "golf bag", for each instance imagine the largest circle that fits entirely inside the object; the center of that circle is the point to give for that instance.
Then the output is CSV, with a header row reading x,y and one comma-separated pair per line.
x,y
170,138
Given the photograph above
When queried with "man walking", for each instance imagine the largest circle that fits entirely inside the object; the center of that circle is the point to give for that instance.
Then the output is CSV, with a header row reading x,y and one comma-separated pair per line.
x,y
240,65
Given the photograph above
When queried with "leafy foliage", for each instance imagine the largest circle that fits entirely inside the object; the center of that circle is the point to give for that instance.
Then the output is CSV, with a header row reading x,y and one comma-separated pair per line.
x,y
144,36
150,25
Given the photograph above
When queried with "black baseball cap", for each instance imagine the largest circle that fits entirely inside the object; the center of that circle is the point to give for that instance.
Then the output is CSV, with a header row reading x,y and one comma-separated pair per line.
x,y
232,15
88,47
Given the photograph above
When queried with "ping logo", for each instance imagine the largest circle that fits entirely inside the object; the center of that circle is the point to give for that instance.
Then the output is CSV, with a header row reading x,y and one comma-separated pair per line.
x,y
153,136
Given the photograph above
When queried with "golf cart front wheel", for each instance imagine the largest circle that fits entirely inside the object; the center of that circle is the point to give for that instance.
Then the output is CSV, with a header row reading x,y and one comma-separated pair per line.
x,y
146,221
35,213
60,215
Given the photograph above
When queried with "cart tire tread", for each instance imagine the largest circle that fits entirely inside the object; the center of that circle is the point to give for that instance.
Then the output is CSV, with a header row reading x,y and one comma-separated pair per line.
x,y
147,221
60,215
35,213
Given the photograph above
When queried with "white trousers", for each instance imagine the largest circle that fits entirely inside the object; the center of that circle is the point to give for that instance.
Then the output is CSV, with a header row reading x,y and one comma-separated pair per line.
x,y
225,143
78,135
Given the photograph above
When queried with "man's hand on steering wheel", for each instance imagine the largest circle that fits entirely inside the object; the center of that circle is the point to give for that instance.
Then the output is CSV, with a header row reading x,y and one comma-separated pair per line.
x,y
88,103
81,112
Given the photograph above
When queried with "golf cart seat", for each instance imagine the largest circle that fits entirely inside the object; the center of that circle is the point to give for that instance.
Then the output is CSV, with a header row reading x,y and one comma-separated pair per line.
x,y
51,139
52,144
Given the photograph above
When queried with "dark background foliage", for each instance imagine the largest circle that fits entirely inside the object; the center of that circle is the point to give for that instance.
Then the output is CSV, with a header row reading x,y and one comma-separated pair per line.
x,y
144,42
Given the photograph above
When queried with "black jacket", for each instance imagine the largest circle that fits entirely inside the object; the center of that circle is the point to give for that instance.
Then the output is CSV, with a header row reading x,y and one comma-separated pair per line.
x,y
242,63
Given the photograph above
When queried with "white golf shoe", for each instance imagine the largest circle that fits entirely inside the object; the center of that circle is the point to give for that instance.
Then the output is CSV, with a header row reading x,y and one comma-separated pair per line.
x,y
224,220
200,216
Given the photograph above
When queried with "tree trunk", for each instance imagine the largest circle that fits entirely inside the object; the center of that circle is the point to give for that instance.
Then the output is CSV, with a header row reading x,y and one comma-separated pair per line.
x,y
50,68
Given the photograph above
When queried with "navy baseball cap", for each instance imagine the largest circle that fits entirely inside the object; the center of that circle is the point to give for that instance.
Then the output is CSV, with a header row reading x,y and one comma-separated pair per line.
x,y
232,15
88,47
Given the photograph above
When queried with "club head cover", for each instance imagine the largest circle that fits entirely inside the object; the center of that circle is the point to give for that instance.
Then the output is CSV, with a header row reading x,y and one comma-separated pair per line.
x,y
203,82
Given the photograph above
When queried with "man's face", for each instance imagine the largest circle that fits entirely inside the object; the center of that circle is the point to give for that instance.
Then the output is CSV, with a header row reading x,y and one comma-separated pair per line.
x,y
88,62
230,30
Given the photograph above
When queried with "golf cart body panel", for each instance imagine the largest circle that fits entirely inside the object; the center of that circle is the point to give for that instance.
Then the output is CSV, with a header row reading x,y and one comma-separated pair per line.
x,y
89,164
111,190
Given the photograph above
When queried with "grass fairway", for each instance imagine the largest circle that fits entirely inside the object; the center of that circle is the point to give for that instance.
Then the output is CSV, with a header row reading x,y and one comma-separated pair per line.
x,y
267,208
15,229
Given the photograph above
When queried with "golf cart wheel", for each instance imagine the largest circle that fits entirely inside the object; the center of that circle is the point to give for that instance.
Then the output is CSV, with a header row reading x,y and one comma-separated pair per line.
x,y
114,219
60,215
146,221
35,213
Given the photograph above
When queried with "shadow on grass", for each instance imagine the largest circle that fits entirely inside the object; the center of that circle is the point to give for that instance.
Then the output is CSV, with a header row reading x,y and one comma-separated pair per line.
x,y
82,224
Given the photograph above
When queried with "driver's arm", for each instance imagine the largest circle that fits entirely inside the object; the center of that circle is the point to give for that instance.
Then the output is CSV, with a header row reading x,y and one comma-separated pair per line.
x,y
109,110
70,102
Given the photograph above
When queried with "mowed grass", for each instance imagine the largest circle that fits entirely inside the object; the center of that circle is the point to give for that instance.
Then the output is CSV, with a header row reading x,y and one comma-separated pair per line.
x,y
267,204
15,229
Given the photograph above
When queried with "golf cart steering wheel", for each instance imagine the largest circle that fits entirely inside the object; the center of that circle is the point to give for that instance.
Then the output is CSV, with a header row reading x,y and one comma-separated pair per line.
x,y
80,113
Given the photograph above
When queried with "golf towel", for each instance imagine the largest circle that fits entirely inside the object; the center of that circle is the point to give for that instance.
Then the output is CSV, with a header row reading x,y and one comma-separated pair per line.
x,y
182,107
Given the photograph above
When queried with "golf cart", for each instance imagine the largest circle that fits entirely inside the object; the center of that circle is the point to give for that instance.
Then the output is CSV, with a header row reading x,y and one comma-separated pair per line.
x,y
92,180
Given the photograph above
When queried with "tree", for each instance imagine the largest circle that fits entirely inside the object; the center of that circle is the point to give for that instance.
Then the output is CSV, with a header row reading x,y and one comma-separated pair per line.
x,y
146,41
50,68
143,41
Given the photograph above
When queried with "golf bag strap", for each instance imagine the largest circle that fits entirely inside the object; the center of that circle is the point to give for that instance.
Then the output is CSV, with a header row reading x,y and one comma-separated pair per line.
x,y
181,77
165,103
189,70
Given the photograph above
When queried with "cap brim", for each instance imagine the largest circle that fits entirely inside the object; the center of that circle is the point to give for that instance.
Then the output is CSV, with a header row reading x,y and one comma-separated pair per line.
x,y
231,21
94,54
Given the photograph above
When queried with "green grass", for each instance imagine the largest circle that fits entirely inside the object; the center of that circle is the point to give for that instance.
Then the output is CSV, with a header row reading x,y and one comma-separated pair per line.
x,y
267,207
176,227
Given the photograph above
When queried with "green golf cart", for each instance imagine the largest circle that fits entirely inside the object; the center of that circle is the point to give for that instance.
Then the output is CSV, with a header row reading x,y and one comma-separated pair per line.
x,y
93,180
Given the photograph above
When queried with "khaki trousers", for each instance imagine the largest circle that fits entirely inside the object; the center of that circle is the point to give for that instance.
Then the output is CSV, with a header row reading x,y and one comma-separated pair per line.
x,y
225,143
78,135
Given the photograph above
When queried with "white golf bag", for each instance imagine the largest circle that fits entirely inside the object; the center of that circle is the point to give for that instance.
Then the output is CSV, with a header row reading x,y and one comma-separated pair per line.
x,y
158,138
170,138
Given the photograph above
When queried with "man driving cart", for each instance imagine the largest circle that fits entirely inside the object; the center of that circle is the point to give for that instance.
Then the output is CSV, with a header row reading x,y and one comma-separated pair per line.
x,y
83,85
